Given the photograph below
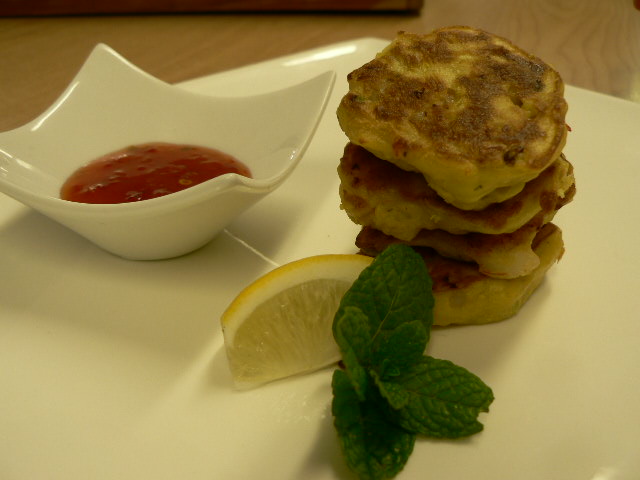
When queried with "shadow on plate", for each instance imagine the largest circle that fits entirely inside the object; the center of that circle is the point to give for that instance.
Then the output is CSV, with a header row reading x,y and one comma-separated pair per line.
x,y
52,276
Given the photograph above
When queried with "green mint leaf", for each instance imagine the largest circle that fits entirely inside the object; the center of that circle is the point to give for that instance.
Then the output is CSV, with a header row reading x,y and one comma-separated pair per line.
x,y
374,448
444,399
398,349
395,394
352,331
353,336
356,374
394,289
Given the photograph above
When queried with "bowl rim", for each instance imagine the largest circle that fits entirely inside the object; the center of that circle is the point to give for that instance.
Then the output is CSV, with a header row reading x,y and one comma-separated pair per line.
x,y
102,53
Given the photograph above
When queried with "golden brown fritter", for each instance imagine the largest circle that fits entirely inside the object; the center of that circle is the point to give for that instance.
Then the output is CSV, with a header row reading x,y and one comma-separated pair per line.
x,y
400,203
508,255
476,115
465,296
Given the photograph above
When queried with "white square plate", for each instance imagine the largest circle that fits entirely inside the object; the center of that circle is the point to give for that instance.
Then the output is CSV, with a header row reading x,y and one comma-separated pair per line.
x,y
113,369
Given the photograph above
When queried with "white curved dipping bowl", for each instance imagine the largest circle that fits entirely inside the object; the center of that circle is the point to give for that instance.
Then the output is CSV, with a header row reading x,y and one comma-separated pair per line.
x,y
111,104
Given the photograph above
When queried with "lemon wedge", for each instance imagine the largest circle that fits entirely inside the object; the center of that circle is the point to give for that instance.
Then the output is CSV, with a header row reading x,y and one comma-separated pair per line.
x,y
280,325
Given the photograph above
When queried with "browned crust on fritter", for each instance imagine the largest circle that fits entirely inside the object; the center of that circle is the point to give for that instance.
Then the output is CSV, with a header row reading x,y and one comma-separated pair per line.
x,y
498,71
508,255
370,187
450,274
458,103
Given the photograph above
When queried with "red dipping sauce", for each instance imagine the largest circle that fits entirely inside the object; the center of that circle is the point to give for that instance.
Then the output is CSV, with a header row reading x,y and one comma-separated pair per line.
x,y
150,170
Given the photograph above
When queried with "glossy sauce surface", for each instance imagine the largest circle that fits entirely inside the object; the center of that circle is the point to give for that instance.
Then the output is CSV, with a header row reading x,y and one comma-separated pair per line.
x,y
150,170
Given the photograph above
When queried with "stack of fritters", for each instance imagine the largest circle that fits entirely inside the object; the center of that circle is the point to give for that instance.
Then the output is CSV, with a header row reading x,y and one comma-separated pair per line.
x,y
455,148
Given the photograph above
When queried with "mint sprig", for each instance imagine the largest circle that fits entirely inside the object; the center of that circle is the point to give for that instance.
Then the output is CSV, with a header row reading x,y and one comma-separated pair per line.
x,y
374,446
389,390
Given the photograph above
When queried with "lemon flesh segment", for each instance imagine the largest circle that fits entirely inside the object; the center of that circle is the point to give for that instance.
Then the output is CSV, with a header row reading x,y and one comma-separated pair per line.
x,y
280,325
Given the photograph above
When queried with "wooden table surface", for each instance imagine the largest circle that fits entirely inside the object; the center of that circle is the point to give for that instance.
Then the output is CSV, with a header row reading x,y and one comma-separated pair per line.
x,y
594,44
